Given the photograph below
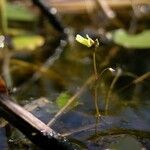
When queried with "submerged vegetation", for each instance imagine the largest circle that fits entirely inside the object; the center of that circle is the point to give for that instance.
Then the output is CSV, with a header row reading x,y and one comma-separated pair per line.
x,y
82,70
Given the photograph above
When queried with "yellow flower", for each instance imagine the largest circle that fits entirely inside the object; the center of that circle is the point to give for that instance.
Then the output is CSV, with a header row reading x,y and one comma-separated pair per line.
x,y
85,41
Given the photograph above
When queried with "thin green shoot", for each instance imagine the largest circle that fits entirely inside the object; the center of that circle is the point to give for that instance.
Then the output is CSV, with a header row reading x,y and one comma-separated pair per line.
x,y
90,43
96,86
118,73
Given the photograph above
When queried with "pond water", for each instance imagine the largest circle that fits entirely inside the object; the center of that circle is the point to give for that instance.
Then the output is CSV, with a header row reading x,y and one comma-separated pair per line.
x,y
127,121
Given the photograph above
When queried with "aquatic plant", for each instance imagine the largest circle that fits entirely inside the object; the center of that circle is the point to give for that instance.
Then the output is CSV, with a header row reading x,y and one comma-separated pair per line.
x,y
90,43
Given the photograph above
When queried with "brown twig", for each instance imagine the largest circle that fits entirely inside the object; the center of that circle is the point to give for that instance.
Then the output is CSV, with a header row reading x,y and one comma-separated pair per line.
x,y
38,132
136,81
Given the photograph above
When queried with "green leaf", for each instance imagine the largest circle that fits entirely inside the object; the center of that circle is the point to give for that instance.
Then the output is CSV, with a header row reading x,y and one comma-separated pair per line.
x,y
29,42
19,13
139,41
85,41
63,98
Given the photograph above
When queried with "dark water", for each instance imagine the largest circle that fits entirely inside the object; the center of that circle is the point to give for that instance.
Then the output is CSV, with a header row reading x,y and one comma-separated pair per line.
x,y
127,121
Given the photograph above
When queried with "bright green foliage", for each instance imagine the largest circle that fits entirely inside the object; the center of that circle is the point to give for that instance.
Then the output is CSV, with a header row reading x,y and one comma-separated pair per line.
x,y
19,13
85,41
29,42
63,99
139,41
3,17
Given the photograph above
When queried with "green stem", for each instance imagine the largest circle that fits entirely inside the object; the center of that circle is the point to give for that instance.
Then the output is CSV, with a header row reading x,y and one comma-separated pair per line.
x,y
96,101
110,90
6,68
95,86
94,65
3,17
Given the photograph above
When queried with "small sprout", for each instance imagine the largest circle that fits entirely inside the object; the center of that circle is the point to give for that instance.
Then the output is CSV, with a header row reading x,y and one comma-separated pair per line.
x,y
85,41
2,38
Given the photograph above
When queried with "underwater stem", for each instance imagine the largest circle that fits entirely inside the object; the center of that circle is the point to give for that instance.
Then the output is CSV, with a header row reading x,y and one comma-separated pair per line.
x,y
95,85
94,65
110,89
96,101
